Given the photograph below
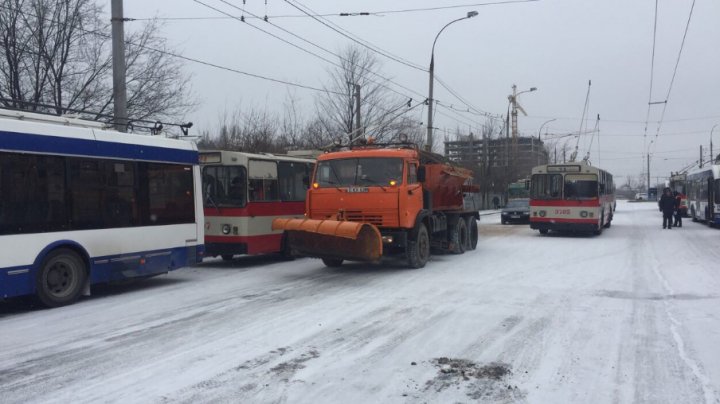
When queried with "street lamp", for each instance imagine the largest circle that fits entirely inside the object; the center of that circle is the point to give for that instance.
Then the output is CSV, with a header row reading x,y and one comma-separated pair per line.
x,y
544,123
539,131
428,146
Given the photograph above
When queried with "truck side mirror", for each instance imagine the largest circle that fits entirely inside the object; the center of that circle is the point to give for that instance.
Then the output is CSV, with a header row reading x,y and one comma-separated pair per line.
x,y
421,174
306,181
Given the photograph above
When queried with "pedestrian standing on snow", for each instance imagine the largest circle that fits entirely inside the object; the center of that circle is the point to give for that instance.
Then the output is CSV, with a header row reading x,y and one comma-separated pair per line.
x,y
678,212
667,207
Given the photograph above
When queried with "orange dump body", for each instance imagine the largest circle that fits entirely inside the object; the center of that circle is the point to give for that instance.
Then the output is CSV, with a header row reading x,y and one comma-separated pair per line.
x,y
445,183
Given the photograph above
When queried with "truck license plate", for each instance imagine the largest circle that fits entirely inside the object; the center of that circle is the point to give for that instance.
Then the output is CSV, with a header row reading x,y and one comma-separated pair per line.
x,y
357,189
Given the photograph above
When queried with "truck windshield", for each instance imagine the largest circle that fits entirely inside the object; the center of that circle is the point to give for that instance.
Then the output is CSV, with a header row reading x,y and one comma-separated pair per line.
x,y
359,172
581,186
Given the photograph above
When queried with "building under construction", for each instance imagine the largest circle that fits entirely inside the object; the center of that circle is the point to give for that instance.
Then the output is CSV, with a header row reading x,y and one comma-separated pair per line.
x,y
497,162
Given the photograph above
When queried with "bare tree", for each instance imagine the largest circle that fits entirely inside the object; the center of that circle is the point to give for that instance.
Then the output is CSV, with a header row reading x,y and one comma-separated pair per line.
x,y
382,110
55,57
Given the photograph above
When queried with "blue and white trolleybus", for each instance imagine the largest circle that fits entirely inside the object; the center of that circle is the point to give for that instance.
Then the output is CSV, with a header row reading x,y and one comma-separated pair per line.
x,y
82,205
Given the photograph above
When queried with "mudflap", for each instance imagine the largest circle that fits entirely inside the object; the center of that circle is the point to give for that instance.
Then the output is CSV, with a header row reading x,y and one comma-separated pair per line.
x,y
351,241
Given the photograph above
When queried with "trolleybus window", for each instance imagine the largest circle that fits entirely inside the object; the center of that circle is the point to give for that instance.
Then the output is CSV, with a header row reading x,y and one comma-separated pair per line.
x,y
581,186
99,194
224,186
293,179
546,186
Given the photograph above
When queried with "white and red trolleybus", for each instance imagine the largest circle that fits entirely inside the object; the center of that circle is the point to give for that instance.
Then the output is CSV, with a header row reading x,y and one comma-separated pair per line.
x,y
243,193
573,197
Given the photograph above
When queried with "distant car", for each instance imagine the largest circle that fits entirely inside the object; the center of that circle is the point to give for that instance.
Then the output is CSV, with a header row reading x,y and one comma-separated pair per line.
x,y
641,196
516,210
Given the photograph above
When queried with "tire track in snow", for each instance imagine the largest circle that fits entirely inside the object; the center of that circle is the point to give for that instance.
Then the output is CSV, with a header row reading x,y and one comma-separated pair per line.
x,y
675,325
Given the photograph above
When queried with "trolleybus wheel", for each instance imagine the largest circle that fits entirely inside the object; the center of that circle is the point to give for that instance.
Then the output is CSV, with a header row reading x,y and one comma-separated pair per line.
x,y
61,278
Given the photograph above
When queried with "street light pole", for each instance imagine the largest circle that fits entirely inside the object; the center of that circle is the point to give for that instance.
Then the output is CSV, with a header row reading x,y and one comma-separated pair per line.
x,y
539,131
429,140
712,159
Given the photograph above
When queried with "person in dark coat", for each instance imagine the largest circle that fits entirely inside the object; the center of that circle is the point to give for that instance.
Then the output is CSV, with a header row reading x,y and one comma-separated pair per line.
x,y
667,207
678,212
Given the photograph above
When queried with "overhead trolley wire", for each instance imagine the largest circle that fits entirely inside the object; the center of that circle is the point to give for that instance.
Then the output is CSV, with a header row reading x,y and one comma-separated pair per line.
x,y
340,14
675,70
308,11
304,9
312,53
187,58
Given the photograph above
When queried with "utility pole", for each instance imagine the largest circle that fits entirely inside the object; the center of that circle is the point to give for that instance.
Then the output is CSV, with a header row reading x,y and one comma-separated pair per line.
x,y
358,121
118,58
350,112
648,175
701,157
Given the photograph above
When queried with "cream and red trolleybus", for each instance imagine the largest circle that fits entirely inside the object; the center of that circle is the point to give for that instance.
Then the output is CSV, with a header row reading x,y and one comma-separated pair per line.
x,y
243,193
574,197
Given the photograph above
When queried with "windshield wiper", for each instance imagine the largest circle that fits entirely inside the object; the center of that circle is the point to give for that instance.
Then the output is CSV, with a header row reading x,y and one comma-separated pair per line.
x,y
372,181
212,201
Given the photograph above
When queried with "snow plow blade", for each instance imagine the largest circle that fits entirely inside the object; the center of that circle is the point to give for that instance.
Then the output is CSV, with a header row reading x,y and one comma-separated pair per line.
x,y
332,238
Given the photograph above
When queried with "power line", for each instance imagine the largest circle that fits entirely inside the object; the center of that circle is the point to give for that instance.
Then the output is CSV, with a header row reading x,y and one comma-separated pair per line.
x,y
313,44
187,58
376,49
340,14
412,10
304,9
672,80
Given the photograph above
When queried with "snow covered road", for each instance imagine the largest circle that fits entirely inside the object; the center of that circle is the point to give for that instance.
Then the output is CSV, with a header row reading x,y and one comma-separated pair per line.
x,y
628,316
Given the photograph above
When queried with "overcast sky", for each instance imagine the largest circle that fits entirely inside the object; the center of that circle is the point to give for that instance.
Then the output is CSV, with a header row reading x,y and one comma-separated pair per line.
x,y
554,45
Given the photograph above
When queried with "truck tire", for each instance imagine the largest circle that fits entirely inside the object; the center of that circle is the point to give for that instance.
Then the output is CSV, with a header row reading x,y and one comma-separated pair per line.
x,y
332,262
418,250
61,278
458,237
472,227
543,231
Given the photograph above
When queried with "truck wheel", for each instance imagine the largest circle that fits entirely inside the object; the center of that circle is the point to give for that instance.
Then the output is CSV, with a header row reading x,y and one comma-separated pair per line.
x,y
227,257
61,278
332,262
472,228
543,231
418,250
458,237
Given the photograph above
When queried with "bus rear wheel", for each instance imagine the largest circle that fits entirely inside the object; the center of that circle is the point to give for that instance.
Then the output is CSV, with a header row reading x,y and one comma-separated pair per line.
x,y
61,278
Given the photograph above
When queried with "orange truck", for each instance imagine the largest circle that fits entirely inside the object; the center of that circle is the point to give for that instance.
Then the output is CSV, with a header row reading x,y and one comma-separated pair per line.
x,y
375,200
